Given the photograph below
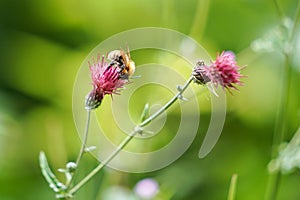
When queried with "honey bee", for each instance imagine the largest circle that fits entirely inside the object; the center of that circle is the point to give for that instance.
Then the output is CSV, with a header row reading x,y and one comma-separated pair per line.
x,y
122,60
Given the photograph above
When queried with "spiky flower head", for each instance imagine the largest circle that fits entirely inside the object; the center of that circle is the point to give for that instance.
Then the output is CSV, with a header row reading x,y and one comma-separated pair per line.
x,y
223,71
105,80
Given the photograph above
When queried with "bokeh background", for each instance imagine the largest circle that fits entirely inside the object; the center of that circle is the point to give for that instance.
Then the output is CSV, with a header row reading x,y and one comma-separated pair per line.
x,y
42,46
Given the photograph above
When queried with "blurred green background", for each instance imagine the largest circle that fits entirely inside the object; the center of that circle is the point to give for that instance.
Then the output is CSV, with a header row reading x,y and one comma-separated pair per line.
x,y
42,45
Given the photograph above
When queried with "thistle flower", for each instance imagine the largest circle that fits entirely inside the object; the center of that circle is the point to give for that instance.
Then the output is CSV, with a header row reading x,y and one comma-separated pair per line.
x,y
223,71
105,80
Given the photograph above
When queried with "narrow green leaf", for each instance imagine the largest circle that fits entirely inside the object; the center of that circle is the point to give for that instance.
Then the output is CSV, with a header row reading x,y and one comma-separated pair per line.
x,y
232,188
145,113
54,183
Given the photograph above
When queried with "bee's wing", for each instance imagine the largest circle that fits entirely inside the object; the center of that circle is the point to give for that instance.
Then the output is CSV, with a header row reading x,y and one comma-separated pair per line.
x,y
128,51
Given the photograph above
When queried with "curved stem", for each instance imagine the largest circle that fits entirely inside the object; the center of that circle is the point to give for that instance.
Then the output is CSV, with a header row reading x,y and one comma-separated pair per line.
x,y
85,136
167,105
83,146
136,130
101,165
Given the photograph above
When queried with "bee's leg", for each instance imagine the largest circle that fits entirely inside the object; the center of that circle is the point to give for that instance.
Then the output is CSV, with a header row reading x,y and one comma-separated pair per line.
x,y
121,68
112,63
124,76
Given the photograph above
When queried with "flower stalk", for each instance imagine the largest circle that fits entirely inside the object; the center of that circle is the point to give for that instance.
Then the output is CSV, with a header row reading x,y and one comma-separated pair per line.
x,y
137,130
83,147
280,129
85,136
228,75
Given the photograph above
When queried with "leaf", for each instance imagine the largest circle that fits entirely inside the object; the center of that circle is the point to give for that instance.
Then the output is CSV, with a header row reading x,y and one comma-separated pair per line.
x,y
145,113
232,187
89,149
54,183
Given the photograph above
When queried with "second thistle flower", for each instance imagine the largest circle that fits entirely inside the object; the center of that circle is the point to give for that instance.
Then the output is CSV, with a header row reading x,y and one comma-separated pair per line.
x,y
223,71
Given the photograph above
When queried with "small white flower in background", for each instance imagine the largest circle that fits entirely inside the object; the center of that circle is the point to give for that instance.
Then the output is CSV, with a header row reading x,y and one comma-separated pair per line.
x,y
288,159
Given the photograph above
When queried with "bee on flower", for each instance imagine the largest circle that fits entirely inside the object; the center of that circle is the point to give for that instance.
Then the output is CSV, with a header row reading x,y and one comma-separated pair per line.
x,y
108,78
123,61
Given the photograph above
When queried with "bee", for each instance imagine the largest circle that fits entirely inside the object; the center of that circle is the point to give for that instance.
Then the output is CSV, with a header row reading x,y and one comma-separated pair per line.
x,y
122,60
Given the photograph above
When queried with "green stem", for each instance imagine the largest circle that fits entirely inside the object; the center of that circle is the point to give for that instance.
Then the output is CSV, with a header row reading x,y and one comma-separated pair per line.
x,y
136,130
281,119
278,8
280,129
85,136
296,22
167,105
280,124
200,19
83,146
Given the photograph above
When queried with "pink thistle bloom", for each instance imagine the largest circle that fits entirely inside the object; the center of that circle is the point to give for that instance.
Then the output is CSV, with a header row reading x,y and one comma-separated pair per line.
x,y
105,80
223,71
